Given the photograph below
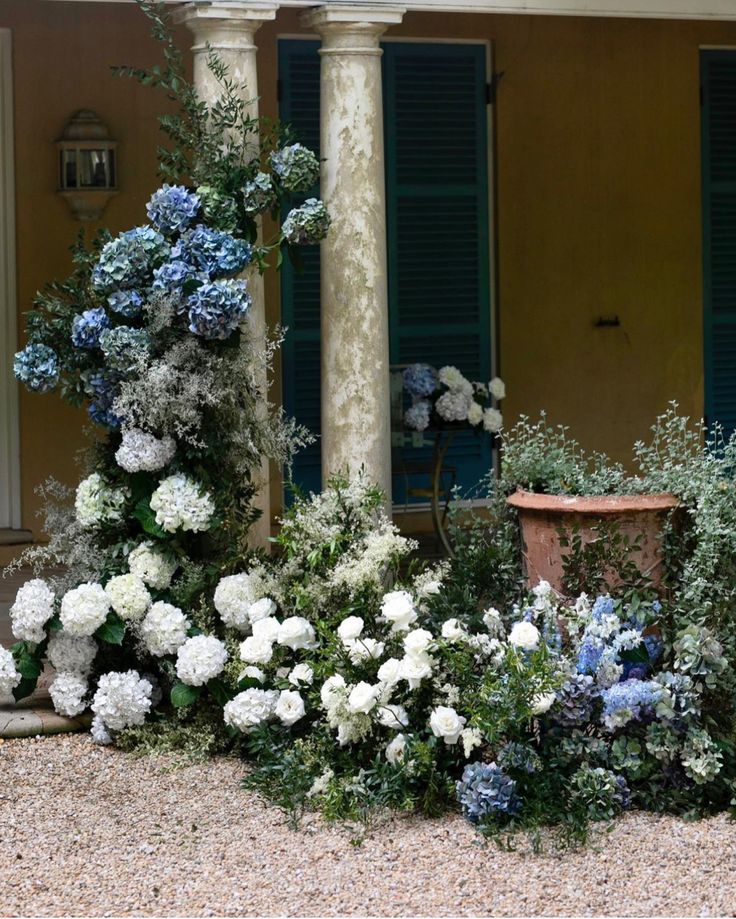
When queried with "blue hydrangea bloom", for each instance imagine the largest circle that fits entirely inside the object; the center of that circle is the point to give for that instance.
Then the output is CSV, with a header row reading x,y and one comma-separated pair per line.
x,y
589,654
128,261
37,367
88,326
654,646
296,166
102,387
172,208
630,700
485,789
416,416
172,275
124,346
603,606
126,302
217,309
420,380
217,254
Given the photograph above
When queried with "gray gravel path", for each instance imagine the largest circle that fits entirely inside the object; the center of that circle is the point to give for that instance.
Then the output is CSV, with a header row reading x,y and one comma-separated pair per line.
x,y
91,831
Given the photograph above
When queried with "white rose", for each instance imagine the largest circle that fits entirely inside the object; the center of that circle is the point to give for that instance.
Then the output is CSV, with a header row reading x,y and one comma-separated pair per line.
x,y
397,608
332,690
267,629
252,673
414,668
290,707
396,749
394,717
296,633
542,702
362,698
261,609
361,649
446,723
417,641
301,675
452,631
350,628
524,635
256,649
390,671
497,388
475,413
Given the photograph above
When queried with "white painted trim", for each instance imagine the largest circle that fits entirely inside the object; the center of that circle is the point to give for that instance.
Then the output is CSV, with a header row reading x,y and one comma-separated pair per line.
x,y
630,9
9,432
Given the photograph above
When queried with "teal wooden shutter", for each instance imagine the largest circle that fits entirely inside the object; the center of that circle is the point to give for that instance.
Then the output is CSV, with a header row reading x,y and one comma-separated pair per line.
x,y
300,289
718,83
438,226
438,232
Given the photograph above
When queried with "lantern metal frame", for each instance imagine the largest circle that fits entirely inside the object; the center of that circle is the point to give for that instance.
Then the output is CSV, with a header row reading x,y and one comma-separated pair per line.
x,y
87,165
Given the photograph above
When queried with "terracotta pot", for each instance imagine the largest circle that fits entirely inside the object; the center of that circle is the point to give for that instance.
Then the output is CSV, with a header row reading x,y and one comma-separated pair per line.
x,y
541,517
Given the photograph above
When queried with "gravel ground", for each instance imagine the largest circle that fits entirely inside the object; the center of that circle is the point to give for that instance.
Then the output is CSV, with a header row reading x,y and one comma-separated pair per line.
x,y
91,831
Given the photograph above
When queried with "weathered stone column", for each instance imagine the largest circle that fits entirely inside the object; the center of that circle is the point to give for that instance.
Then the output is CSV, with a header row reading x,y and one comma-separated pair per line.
x,y
356,427
227,28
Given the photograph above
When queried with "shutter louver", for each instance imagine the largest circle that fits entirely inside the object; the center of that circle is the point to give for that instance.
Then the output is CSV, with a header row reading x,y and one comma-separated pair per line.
x,y
718,80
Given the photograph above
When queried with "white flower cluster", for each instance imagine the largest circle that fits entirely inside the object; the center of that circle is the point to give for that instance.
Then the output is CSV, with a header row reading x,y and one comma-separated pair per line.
x,y
458,403
397,608
200,659
32,609
250,708
98,502
164,629
68,693
128,596
368,565
67,653
294,632
84,609
240,602
180,503
142,452
152,566
122,700
9,676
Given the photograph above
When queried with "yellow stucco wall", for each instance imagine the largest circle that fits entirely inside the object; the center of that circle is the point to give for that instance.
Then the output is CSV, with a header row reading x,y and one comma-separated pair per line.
x,y
598,175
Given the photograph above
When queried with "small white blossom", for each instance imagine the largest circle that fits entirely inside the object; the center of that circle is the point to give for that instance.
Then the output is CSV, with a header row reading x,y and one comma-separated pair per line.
x,y
524,635
397,608
9,676
66,652
200,659
180,503
350,628
475,413
32,609
396,750
446,723
84,609
252,673
151,566
290,707
296,633
301,675
122,700
493,622
164,630
471,738
321,784
362,698
68,693
97,502
250,708
142,452
99,732
129,596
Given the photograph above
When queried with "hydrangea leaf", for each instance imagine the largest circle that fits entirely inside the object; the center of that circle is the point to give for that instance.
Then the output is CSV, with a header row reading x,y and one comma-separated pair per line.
x,y
147,519
182,695
112,630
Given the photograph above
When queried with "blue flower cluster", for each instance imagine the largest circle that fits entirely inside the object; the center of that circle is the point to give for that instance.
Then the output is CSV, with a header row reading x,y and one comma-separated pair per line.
x,y
37,367
102,387
630,700
88,326
417,416
127,303
128,261
216,254
420,380
485,790
307,224
217,309
296,166
172,208
259,194
173,275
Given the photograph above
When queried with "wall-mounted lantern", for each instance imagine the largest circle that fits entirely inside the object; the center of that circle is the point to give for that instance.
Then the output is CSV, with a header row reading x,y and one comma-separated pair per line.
x,y
87,165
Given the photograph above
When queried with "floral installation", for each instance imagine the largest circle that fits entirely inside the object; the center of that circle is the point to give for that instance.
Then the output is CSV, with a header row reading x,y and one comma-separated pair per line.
x,y
446,398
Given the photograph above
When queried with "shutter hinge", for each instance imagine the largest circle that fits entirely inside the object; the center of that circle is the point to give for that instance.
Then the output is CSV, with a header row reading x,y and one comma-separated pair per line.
x,y
492,87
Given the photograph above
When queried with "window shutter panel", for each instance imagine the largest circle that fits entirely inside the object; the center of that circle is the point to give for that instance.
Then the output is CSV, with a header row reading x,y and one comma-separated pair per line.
x,y
718,82
300,287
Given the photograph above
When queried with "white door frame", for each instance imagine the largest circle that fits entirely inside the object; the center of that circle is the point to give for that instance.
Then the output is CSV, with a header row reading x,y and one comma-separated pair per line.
x,y
9,431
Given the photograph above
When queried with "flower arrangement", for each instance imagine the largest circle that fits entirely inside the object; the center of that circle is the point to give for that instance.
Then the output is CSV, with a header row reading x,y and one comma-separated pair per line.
x,y
445,398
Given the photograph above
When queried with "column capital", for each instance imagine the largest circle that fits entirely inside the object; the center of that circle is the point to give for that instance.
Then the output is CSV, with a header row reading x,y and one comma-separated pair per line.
x,y
362,23
220,22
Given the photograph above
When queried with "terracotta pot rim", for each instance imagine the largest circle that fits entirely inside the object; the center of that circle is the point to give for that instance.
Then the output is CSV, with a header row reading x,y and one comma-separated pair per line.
x,y
592,504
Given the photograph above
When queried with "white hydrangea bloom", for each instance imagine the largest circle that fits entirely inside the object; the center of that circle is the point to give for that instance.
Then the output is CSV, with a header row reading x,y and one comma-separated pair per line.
x,y
122,700
142,452
180,503
256,649
397,607
200,659
396,750
497,388
84,609
296,633
301,675
446,723
9,676
475,413
152,566
454,406
164,630
233,596
492,420
32,609
99,732
362,698
68,693
455,380
290,707
524,635
68,653
250,708
97,502
394,717
129,596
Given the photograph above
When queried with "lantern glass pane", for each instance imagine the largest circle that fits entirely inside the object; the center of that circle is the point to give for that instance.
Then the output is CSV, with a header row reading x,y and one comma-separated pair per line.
x,y
111,168
68,168
93,169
